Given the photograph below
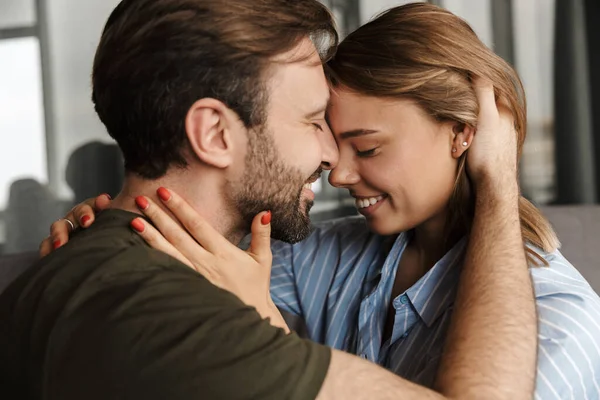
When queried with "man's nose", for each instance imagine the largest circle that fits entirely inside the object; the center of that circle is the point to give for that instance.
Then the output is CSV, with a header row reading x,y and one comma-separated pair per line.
x,y
330,154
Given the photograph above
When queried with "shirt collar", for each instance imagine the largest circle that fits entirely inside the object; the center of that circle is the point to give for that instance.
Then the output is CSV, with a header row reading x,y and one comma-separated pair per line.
x,y
436,290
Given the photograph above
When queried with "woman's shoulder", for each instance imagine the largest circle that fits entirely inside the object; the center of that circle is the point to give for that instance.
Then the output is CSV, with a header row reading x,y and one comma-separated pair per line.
x,y
559,276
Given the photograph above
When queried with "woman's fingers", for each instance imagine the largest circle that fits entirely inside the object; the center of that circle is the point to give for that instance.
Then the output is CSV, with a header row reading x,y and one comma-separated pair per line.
x,y
85,213
60,230
82,215
102,202
157,241
170,230
260,244
200,229
45,247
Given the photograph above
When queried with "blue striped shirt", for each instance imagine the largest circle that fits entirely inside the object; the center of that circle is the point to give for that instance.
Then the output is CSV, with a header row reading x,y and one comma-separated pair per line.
x,y
339,280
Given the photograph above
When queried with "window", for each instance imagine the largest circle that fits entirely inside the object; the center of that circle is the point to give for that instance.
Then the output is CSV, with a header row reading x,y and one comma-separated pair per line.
x,y
17,14
23,150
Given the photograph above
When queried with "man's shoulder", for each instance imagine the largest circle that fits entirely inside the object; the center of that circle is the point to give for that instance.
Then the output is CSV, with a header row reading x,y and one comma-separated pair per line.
x,y
102,254
104,262
138,309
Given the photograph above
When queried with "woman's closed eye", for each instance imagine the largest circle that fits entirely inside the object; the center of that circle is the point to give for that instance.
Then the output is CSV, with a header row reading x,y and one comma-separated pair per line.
x,y
367,153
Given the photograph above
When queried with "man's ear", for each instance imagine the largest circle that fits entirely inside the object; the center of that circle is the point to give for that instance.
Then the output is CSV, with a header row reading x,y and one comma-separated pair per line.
x,y
462,138
208,125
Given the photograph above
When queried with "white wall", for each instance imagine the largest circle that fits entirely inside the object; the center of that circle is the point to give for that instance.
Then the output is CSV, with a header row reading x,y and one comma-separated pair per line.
x,y
371,8
477,13
16,13
74,31
533,22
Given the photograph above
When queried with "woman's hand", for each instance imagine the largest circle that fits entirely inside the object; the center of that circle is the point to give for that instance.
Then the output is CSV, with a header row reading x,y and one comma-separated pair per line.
x,y
82,215
247,274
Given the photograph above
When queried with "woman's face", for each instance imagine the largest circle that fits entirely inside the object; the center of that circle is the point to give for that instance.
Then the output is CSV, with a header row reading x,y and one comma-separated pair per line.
x,y
396,161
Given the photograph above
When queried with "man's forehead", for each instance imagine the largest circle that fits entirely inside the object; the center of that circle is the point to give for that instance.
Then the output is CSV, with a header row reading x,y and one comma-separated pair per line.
x,y
305,50
300,85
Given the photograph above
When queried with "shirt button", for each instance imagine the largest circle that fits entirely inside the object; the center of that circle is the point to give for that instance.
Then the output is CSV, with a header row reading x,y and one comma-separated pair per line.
x,y
404,299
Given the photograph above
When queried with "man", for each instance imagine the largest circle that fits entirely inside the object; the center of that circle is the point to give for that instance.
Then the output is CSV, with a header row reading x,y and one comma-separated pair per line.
x,y
224,102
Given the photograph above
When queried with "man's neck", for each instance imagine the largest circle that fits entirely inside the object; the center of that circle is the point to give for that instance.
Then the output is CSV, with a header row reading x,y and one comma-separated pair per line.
x,y
205,197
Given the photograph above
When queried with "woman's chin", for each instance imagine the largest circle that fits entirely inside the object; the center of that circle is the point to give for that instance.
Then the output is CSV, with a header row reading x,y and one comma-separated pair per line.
x,y
385,228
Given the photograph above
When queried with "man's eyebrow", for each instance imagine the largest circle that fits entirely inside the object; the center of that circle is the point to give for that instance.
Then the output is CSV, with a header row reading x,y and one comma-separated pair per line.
x,y
319,111
356,132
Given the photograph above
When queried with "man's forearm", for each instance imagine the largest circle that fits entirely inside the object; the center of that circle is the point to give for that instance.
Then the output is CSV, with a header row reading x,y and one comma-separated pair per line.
x,y
491,347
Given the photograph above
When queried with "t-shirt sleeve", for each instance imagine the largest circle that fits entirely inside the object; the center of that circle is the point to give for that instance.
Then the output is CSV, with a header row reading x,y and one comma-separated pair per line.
x,y
170,334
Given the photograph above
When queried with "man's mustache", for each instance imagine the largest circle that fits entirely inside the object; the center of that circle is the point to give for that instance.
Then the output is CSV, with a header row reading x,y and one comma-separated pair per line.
x,y
316,175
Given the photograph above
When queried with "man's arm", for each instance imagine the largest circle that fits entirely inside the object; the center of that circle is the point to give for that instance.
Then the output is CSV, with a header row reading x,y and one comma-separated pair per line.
x,y
491,346
495,299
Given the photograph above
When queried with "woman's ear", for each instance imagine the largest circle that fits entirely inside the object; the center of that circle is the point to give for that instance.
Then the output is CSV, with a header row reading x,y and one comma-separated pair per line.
x,y
462,139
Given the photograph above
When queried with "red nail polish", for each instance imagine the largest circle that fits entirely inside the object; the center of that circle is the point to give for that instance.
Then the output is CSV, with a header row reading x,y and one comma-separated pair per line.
x,y
85,219
266,219
164,194
138,225
56,244
142,203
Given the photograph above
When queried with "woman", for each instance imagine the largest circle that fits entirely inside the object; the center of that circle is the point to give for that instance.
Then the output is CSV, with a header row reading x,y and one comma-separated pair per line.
x,y
404,115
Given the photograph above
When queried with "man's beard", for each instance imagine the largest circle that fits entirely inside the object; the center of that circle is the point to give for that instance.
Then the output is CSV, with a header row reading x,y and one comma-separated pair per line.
x,y
269,184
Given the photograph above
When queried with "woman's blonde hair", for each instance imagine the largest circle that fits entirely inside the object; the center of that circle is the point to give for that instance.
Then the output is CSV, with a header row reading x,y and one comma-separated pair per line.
x,y
422,52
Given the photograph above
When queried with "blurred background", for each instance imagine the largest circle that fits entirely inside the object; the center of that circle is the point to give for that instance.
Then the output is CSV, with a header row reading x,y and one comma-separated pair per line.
x,y
54,152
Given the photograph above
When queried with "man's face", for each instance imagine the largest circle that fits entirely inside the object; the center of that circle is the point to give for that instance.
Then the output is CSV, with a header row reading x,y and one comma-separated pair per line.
x,y
288,153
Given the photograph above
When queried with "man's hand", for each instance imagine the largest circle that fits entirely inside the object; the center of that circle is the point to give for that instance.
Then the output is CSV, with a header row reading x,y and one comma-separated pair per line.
x,y
492,158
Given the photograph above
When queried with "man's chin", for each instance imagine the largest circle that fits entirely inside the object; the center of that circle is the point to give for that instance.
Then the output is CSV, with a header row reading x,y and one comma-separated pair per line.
x,y
306,207
291,230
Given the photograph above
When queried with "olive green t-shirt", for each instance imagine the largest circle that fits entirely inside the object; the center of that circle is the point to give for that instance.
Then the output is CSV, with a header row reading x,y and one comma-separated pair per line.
x,y
107,317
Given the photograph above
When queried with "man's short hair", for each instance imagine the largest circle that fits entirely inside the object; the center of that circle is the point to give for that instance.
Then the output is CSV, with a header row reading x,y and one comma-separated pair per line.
x,y
157,57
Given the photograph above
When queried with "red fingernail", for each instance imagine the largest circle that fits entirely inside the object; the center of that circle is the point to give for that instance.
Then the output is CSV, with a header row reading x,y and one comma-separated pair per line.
x,y
164,194
266,219
56,244
141,202
85,219
138,225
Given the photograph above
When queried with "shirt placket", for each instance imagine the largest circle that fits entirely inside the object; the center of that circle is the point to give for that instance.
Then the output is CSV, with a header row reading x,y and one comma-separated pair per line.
x,y
405,318
373,308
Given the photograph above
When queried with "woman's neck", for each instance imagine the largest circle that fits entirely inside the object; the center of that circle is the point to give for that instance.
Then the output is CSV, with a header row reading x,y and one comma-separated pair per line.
x,y
429,241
